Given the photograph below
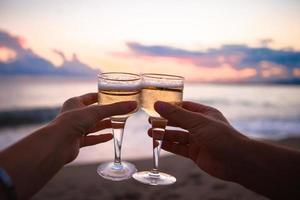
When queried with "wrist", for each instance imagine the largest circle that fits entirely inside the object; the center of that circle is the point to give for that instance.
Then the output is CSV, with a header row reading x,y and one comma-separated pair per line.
x,y
56,137
239,161
67,143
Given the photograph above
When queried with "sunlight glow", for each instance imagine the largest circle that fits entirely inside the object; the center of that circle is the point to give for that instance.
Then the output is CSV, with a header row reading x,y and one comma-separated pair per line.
x,y
94,30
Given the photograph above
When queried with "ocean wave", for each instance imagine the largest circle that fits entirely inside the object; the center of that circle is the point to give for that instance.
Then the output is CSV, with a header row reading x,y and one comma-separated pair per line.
x,y
27,116
273,128
228,102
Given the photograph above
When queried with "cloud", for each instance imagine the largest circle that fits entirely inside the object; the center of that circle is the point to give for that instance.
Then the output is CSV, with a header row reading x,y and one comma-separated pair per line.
x,y
269,63
27,62
159,50
12,42
76,67
242,55
60,54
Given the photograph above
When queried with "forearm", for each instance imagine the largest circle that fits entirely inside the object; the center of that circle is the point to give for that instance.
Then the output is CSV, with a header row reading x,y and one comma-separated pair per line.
x,y
33,161
271,170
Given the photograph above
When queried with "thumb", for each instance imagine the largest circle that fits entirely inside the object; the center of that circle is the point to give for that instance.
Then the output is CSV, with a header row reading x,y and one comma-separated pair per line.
x,y
179,116
90,115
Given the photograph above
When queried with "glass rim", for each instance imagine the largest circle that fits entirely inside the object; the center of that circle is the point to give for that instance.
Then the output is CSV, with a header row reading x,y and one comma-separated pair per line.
x,y
137,76
163,76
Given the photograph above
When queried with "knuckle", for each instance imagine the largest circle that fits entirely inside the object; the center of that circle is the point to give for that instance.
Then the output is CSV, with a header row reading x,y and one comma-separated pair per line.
x,y
98,111
67,116
91,115
195,124
74,120
216,111
174,112
70,101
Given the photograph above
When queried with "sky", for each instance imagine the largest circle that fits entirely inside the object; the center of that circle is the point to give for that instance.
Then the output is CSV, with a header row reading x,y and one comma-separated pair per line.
x,y
227,40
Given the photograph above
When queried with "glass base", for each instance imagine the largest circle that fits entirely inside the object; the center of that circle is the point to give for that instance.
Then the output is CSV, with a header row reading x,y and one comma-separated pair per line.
x,y
116,172
149,178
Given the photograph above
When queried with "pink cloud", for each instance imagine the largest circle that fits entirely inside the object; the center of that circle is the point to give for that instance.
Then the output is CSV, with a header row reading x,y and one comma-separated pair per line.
x,y
241,61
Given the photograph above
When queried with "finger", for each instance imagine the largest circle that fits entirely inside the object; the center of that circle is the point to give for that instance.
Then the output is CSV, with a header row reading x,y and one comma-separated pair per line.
x,y
88,98
175,148
181,137
191,106
94,139
119,108
155,143
194,107
168,123
90,115
76,102
179,116
70,104
157,136
100,126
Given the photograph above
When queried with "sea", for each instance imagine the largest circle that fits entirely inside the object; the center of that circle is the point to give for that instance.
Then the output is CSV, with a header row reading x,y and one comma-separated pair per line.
x,y
258,111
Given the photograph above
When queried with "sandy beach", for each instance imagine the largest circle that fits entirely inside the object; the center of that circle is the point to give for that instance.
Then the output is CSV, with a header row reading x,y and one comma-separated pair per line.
x,y
82,182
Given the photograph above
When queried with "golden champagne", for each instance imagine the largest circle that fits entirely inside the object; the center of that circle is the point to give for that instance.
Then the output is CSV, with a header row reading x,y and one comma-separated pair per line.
x,y
151,94
110,96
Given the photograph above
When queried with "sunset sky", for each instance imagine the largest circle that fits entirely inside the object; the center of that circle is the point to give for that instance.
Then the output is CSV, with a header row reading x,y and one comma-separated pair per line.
x,y
201,40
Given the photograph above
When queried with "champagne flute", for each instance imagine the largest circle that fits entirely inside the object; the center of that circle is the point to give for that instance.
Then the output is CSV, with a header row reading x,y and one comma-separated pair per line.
x,y
115,87
158,87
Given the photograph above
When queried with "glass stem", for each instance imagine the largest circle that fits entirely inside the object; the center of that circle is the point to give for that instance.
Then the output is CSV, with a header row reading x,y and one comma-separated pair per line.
x,y
157,137
118,131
